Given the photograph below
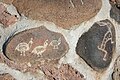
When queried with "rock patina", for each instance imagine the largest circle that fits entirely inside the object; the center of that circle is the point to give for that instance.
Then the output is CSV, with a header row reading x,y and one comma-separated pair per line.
x,y
115,10
64,13
64,72
34,45
5,17
6,77
97,45
116,71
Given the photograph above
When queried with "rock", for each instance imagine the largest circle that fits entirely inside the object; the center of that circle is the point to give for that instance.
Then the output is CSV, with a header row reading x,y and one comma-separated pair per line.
x,y
115,10
35,46
1,58
116,71
65,72
5,18
64,13
6,77
2,8
97,45
118,3
7,1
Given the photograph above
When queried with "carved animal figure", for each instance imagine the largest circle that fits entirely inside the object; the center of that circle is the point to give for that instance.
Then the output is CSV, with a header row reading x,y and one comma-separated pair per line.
x,y
55,43
23,47
40,49
107,37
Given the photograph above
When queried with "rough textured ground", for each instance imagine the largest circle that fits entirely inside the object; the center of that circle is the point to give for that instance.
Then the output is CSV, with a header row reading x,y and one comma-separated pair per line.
x,y
5,17
65,72
6,77
116,72
115,10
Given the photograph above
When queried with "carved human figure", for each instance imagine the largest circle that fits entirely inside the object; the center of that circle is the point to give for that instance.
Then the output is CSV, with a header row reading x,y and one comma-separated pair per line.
x,y
40,49
23,47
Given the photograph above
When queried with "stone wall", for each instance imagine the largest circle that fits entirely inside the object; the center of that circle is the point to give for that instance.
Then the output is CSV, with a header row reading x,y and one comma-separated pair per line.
x,y
59,40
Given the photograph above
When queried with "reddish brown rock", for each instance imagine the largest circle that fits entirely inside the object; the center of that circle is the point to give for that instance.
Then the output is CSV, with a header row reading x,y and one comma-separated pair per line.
x,y
116,71
2,8
65,72
31,67
6,77
35,46
1,58
5,17
7,1
64,13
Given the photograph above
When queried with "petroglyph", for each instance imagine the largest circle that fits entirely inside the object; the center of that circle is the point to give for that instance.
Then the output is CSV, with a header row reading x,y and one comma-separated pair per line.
x,y
82,2
55,43
71,2
107,37
40,49
23,47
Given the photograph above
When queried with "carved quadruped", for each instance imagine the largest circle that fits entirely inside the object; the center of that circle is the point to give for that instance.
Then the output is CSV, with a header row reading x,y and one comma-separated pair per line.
x,y
55,43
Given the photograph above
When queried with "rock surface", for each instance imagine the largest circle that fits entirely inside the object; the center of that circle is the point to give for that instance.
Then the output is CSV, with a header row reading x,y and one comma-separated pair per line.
x,y
97,45
115,10
64,13
65,72
116,72
35,46
41,67
7,1
6,77
6,18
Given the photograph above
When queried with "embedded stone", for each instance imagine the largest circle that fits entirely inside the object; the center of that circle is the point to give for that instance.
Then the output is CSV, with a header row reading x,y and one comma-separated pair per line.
x,y
65,72
6,77
97,45
5,17
116,71
115,10
64,13
34,45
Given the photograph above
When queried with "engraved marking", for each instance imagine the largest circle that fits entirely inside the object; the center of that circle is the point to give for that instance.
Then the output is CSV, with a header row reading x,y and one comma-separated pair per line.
x,y
107,37
71,2
55,43
82,2
23,47
40,49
